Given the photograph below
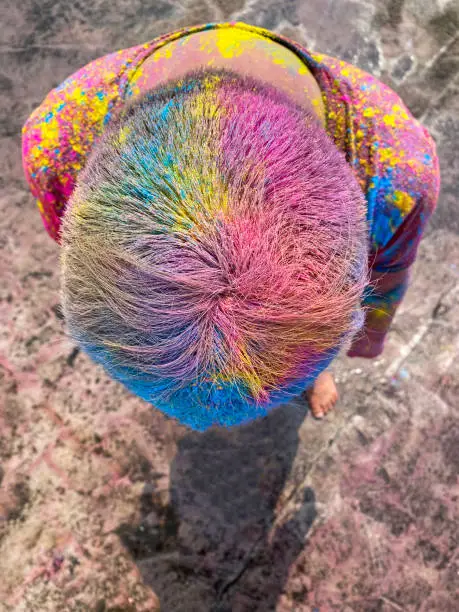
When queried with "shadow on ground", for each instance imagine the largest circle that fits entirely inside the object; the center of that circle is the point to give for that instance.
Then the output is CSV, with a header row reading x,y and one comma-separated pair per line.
x,y
214,545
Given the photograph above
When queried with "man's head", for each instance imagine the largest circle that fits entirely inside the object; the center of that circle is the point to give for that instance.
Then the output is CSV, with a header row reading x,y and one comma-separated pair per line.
x,y
214,250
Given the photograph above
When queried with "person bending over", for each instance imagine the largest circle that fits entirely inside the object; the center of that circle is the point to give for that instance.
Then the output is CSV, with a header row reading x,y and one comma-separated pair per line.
x,y
233,211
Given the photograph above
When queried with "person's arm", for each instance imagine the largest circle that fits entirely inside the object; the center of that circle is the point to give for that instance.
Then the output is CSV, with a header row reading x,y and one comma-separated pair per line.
x,y
384,297
390,274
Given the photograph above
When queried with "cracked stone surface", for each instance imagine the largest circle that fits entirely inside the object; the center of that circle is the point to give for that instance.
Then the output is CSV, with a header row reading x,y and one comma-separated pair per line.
x,y
107,505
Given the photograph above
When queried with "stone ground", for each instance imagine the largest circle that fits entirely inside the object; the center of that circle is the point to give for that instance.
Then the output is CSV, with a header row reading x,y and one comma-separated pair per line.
x,y
107,505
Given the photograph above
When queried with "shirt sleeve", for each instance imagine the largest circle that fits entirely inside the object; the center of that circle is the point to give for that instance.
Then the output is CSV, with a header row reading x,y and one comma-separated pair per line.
x,y
60,133
391,268
394,159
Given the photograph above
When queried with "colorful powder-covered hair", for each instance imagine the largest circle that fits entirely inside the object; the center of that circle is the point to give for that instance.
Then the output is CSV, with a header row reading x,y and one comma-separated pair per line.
x,y
214,250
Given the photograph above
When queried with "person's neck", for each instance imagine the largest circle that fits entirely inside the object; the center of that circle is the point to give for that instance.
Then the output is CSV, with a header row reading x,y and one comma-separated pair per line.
x,y
240,51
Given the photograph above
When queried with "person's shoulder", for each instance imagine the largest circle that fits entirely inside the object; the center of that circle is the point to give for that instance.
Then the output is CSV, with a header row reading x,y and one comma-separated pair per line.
x,y
86,96
73,113
59,135
383,128
393,153
372,102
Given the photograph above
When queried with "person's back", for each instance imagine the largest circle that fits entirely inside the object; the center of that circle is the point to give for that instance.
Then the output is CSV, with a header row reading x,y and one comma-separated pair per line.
x,y
215,249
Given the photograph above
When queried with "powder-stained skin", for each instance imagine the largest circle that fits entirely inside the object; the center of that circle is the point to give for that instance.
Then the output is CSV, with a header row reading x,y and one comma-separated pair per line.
x,y
391,154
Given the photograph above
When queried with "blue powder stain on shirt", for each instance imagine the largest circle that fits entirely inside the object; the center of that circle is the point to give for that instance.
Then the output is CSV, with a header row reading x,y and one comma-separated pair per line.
x,y
49,116
100,95
371,195
383,230
427,158
382,214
